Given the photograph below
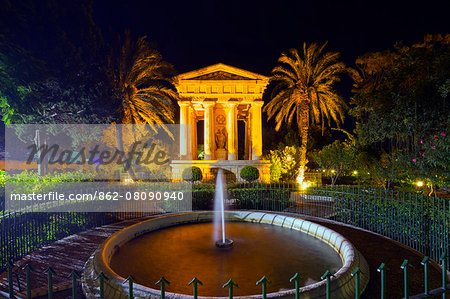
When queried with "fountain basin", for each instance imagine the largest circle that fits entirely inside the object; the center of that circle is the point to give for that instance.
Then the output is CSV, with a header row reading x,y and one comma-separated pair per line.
x,y
342,284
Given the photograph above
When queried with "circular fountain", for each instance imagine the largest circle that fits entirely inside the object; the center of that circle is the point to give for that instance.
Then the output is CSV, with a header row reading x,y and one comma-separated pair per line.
x,y
187,245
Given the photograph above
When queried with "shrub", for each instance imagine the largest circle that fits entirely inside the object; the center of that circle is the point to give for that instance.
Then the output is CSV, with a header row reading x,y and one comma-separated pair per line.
x,y
192,174
260,196
284,163
28,181
249,173
202,198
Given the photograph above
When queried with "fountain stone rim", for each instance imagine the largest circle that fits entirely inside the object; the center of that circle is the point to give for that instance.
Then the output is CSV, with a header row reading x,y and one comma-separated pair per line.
x,y
351,258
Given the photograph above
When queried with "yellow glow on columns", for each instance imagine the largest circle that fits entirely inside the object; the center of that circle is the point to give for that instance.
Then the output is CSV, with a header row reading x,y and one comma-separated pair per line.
x,y
183,129
208,130
256,130
232,131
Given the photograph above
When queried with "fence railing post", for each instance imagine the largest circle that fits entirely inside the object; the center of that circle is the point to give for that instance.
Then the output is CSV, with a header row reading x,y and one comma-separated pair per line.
x,y
355,273
296,278
264,282
382,270
404,266
425,262
443,259
230,284
9,267
130,281
74,275
163,283
195,282
101,281
50,272
28,269
327,275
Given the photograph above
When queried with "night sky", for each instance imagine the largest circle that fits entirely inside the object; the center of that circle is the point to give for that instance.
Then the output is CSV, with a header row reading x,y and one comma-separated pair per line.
x,y
252,34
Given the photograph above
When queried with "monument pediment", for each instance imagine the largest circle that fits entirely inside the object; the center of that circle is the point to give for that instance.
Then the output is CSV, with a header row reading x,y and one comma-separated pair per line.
x,y
221,71
219,75
221,82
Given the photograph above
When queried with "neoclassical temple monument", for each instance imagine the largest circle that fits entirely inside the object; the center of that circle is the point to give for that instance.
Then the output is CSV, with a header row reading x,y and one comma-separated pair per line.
x,y
220,97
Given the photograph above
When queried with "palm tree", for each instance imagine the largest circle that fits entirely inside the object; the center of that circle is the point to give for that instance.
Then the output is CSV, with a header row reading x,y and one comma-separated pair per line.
x,y
142,90
141,83
304,87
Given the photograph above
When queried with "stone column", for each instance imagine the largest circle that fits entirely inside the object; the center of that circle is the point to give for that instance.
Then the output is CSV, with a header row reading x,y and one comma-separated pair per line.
x,y
184,122
247,140
256,130
194,135
232,131
209,130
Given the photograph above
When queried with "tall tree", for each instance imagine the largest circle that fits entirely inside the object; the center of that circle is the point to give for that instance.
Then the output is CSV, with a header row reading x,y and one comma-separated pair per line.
x,y
409,100
142,89
400,101
305,88
49,53
142,84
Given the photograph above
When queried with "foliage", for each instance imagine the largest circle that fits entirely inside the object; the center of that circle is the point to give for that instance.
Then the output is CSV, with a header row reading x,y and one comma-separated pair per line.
x,y
335,159
260,196
142,90
284,163
202,196
28,181
432,161
380,169
3,178
400,96
35,75
249,173
305,88
6,110
61,110
192,174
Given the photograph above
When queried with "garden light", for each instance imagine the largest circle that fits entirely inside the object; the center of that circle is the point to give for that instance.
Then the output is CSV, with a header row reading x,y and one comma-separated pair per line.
x,y
128,181
419,184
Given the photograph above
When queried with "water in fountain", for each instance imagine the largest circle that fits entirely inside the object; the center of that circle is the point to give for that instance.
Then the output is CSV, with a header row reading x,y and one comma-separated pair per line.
x,y
219,207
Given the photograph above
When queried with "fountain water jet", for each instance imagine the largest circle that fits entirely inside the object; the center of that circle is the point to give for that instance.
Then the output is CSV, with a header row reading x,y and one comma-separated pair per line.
x,y
219,210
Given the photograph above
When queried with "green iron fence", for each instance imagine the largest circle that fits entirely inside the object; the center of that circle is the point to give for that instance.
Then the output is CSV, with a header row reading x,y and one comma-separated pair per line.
x,y
264,281
418,221
22,231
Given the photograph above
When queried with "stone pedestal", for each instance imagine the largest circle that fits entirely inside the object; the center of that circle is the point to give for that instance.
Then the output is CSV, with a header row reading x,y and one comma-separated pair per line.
x,y
221,154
